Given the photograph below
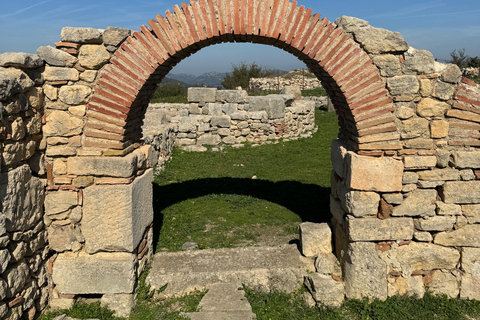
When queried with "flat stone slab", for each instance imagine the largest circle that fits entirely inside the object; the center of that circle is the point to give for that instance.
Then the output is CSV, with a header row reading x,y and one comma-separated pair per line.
x,y
265,268
224,297
221,315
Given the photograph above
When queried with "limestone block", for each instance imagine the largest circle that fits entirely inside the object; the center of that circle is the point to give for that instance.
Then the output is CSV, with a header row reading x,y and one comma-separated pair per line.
x,y
451,74
425,87
373,174
409,177
239,115
209,139
374,229
445,209
466,159
419,162
21,198
443,157
187,124
411,286
429,107
273,105
88,75
81,35
421,202
100,273
365,273
214,109
74,95
20,60
418,62
9,85
61,123
56,57
325,263
471,279
443,90
377,40
422,236
403,85
414,128
115,36
388,64
444,282
337,157
393,198
60,74
325,291
201,94
36,98
126,207
292,90
404,111
315,238
60,201
419,143
122,167
439,129
224,132
121,303
351,24
421,256
93,56
359,203
447,174
467,236
435,223
63,238
259,115
461,192
16,277
229,108
472,213
4,261
221,121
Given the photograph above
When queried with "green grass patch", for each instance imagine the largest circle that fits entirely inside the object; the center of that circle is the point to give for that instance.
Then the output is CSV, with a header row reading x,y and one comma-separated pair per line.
x,y
280,305
210,198
316,92
83,311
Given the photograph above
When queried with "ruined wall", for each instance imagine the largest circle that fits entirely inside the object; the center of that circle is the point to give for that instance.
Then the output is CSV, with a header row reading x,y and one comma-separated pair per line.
x,y
230,117
305,80
23,251
407,217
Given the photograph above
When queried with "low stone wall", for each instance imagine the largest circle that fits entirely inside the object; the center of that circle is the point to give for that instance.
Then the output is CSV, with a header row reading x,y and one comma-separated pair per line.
x,y
23,250
228,117
303,79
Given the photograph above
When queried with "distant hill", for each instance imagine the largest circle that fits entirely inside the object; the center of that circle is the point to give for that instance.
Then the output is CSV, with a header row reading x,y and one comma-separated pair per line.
x,y
167,80
211,79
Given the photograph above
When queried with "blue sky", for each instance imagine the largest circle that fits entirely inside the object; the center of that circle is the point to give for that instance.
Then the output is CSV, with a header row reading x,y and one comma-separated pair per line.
x,y
438,26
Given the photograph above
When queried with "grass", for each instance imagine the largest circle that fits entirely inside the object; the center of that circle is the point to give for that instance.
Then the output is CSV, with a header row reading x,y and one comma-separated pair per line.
x,y
210,198
280,305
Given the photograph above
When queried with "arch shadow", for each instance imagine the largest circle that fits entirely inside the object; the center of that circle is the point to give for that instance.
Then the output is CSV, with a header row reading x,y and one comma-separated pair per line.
x,y
310,202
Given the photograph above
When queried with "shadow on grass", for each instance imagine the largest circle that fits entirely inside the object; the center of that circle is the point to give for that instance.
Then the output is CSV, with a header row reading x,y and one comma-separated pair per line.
x,y
309,201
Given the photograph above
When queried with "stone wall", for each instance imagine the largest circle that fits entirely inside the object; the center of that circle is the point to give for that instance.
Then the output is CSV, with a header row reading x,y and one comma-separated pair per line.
x,y
301,78
407,218
23,251
229,117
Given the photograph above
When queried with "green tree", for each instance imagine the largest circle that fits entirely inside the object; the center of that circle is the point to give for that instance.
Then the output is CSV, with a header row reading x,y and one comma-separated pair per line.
x,y
459,58
241,74
474,62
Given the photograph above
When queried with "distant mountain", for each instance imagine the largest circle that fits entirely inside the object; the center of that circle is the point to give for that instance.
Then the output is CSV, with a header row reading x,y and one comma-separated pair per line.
x,y
211,79
167,80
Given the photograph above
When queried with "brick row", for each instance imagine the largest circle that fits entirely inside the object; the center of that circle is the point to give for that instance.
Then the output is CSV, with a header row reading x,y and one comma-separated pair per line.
x,y
471,143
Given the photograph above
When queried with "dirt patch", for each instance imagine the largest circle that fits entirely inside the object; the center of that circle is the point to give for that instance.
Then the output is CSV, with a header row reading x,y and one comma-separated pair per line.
x,y
272,235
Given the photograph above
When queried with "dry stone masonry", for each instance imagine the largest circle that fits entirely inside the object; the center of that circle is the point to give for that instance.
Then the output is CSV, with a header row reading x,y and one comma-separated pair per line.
x,y
75,185
300,78
229,117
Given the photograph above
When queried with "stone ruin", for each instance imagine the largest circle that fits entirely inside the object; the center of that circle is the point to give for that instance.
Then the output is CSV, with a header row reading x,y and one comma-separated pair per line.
x,y
75,186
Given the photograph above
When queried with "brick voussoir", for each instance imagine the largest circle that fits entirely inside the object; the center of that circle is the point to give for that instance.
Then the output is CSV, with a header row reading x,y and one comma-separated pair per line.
x,y
325,34
159,32
118,88
470,82
295,24
171,18
384,100
120,101
312,40
287,23
182,20
312,23
105,127
236,17
466,107
133,60
142,51
376,121
468,100
347,59
169,38
373,130
301,30
282,17
105,118
374,112
351,89
221,20
152,45
331,56
360,78
371,89
328,44
106,110
369,99
243,17
125,69
187,10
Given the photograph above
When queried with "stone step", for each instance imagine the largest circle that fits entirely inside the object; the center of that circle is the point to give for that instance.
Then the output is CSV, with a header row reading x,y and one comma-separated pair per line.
x,y
223,301
265,268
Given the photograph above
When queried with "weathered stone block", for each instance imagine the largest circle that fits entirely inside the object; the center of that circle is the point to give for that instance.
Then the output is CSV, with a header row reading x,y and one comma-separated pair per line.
x,y
445,209
16,277
365,273
122,167
452,74
439,129
81,35
443,90
325,291
432,108
439,174
373,229
466,159
373,174
221,122
74,95
201,94
60,201
21,199
377,40
231,96
115,36
63,238
444,282
435,223
410,286
403,85
414,128
56,57
461,192
422,236
468,236
20,60
121,303
101,273
419,162
418,62
472,213
315,238
60,74
421,202
273,105
471,278
337,157
128,208
93,56
336,210
388,64
359,203
209,139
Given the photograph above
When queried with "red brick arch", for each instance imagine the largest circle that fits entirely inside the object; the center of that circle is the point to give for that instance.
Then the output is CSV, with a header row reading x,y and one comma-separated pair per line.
x,y
125,85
